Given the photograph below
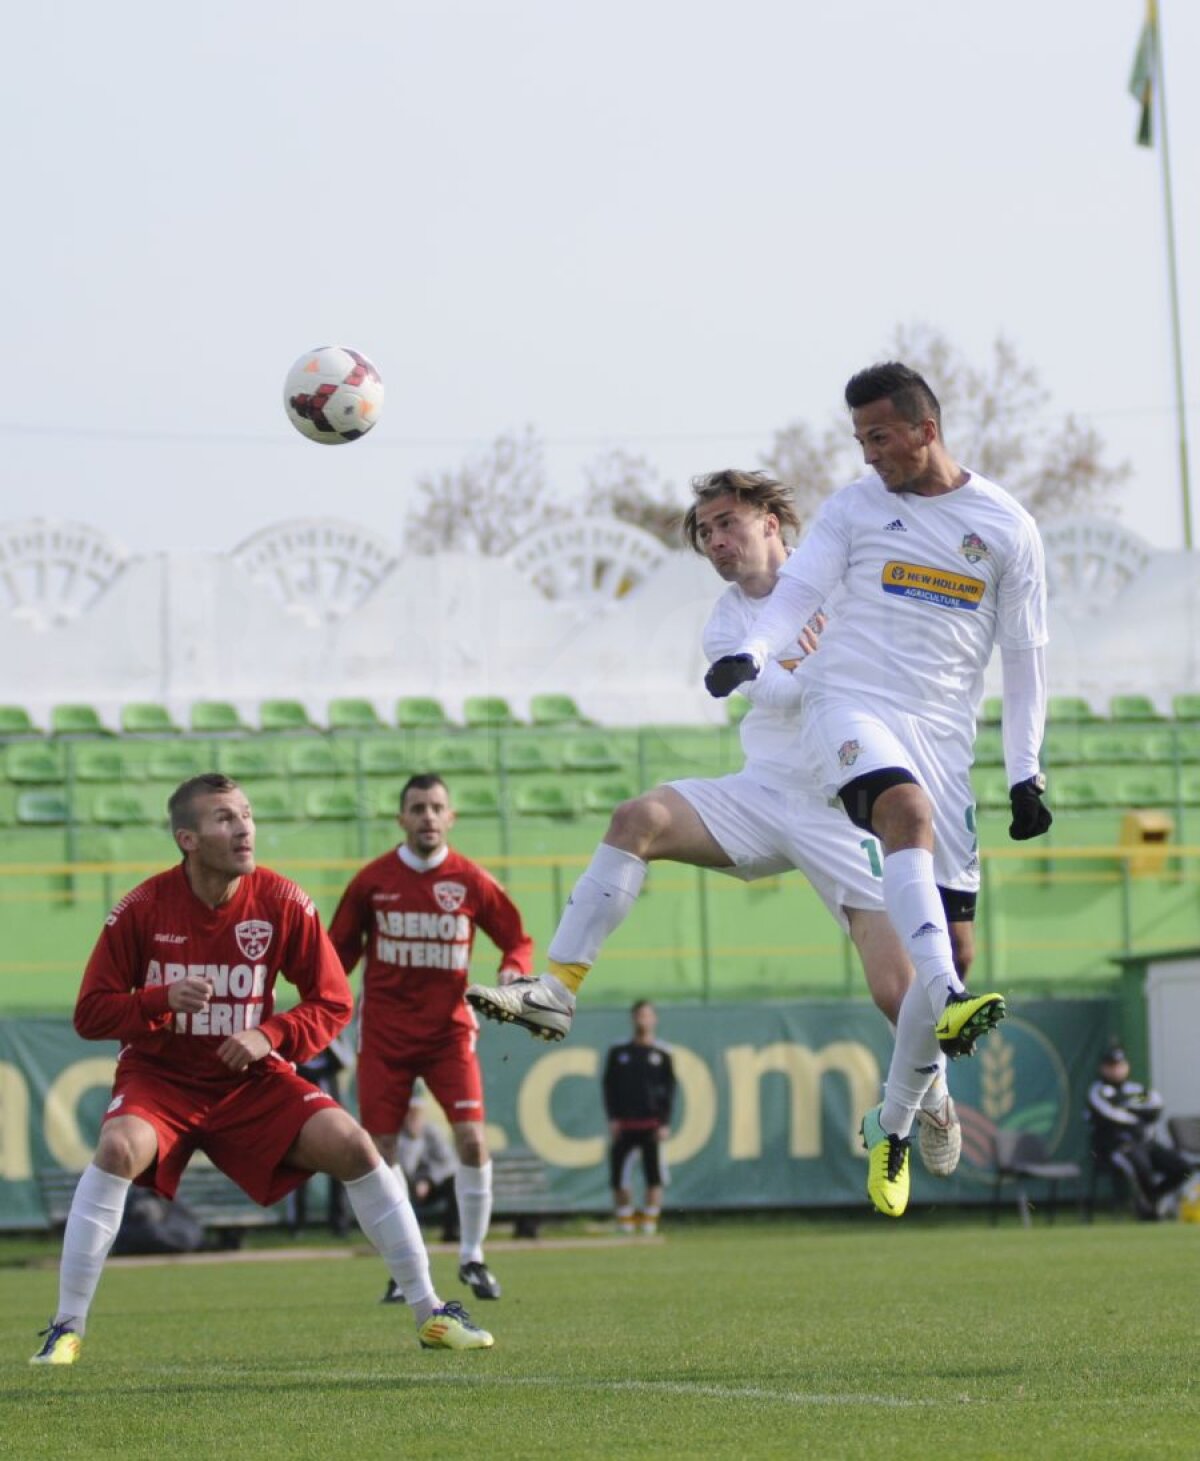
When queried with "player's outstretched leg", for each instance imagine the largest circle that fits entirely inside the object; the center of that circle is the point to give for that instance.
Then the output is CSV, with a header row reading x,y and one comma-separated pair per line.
x,y
965,1019
887,1166
599,903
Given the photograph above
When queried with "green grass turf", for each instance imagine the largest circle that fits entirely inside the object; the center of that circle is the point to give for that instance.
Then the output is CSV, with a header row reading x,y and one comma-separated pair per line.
x,y
789,1338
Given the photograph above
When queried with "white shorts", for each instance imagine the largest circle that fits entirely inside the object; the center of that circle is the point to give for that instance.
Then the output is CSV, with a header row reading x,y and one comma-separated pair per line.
x,y
841,742
764,832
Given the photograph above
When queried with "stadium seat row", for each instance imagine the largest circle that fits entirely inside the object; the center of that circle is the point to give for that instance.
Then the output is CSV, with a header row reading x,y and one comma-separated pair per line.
x,y
221,717
1082,788
1100,742
1076,710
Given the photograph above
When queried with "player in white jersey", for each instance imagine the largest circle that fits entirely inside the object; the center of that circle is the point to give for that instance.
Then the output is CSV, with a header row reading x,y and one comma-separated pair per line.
x,y
758,822
937,566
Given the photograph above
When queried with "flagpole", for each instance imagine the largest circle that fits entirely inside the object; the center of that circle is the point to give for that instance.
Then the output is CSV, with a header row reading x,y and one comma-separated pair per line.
x,y
1173,287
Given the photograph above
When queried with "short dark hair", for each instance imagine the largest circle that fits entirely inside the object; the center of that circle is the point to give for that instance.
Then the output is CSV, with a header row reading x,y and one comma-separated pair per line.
x,y
641,1004
183,798
891,381
422,781
759,489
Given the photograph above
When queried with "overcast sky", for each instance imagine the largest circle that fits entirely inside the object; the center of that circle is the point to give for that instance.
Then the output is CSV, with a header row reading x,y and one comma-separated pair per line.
x,y
669,225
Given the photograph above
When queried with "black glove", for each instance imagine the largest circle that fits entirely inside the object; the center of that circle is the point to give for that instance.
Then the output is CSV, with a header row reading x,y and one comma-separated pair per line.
x,y
1030,814
727,673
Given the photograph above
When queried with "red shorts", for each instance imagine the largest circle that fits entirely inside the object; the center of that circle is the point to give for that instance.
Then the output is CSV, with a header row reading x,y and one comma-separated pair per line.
x,y
386,1074
245,1130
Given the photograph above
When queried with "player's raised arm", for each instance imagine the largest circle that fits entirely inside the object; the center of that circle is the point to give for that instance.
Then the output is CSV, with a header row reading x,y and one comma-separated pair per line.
x,y
311,963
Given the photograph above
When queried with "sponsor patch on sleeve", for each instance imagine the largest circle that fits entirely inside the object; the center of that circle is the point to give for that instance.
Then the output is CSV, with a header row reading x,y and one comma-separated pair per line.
x,y
932,585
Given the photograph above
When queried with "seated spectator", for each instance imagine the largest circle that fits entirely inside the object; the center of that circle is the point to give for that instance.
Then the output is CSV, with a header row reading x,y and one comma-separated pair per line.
x,y
429,1165
1123,1114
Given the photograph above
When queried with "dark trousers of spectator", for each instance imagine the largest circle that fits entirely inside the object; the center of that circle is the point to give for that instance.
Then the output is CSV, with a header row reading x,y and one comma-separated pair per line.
x,y
440,1203
1153,1171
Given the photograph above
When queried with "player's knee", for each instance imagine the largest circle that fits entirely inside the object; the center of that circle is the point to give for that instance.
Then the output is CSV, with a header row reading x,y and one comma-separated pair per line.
x,y
470,1146
120,1154
356,1157
636,824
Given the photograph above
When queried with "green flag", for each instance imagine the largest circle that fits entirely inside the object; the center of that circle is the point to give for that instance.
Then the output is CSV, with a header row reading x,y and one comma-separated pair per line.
x,y
1144,74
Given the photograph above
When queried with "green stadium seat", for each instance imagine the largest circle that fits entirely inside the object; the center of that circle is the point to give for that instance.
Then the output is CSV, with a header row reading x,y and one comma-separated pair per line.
x,y
42,808
1063,745
992,709
543,799
178,763
464,756
420,712
30,765
125,807
1189,787
330,804
672,752
314,758
602,796
216,718
1132,707
353,715
492,712
77,720
147,718
1186,706
476,801
1185,742
555,710
989,747
1125,743
275,716
385,758
1146,786
1077,790
15,721
1072,709
383,798
524,754
250,760
103,762
737,708
593,753
272,801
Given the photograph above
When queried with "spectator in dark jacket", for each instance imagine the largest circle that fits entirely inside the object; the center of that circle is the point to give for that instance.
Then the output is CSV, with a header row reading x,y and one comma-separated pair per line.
x,y
639,1090
1123,1114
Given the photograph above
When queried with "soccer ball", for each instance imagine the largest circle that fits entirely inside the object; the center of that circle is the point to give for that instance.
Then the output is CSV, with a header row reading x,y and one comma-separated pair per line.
x,y
333,394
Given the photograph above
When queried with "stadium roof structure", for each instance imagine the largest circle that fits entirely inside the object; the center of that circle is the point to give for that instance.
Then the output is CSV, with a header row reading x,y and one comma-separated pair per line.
x,y
593,608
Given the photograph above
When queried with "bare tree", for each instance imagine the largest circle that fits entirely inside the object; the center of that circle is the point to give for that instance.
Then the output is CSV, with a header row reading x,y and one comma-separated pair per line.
x,y
996,421
630,488
487,504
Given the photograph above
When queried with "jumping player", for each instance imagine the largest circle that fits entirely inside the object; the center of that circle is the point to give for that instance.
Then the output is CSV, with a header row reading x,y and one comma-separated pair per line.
x,y
183,976
938,565
756,823
415,911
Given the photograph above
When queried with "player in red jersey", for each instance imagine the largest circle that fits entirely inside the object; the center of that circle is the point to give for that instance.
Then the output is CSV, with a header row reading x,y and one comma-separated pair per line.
x,y
415,911
183,976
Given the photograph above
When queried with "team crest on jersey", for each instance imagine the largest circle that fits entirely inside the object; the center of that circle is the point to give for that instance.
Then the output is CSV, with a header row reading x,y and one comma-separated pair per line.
x,y
449,896
253,937
974,549
848,753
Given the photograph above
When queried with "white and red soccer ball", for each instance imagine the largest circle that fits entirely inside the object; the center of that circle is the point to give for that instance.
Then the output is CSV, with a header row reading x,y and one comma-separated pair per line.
x,y
333,394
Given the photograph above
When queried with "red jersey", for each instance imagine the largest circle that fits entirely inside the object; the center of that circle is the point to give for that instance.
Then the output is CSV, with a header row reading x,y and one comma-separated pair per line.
x,y
161,932
418,928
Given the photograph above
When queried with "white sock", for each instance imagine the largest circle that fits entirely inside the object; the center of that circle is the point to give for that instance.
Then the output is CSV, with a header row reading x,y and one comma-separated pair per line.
x,y
95,1216
473,1193
599,903
916,1061
386,1217
939,1092
914,907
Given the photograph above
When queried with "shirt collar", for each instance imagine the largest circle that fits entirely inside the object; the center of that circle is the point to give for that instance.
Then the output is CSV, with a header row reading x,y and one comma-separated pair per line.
x,y
421,864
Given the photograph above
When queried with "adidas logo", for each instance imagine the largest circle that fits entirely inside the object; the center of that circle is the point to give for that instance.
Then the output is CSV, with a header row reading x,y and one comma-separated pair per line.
x,y
926,929
895,526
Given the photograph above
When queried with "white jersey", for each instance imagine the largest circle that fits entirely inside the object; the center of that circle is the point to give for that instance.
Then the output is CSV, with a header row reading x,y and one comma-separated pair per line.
x,y
931,585
770,731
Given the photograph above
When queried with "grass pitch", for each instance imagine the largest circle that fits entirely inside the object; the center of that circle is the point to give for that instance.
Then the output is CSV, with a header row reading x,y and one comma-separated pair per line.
x,y
790,1338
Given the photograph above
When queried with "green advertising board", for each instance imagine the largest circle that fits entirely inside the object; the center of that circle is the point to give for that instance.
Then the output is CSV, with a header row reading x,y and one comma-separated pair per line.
x,y
770,1097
